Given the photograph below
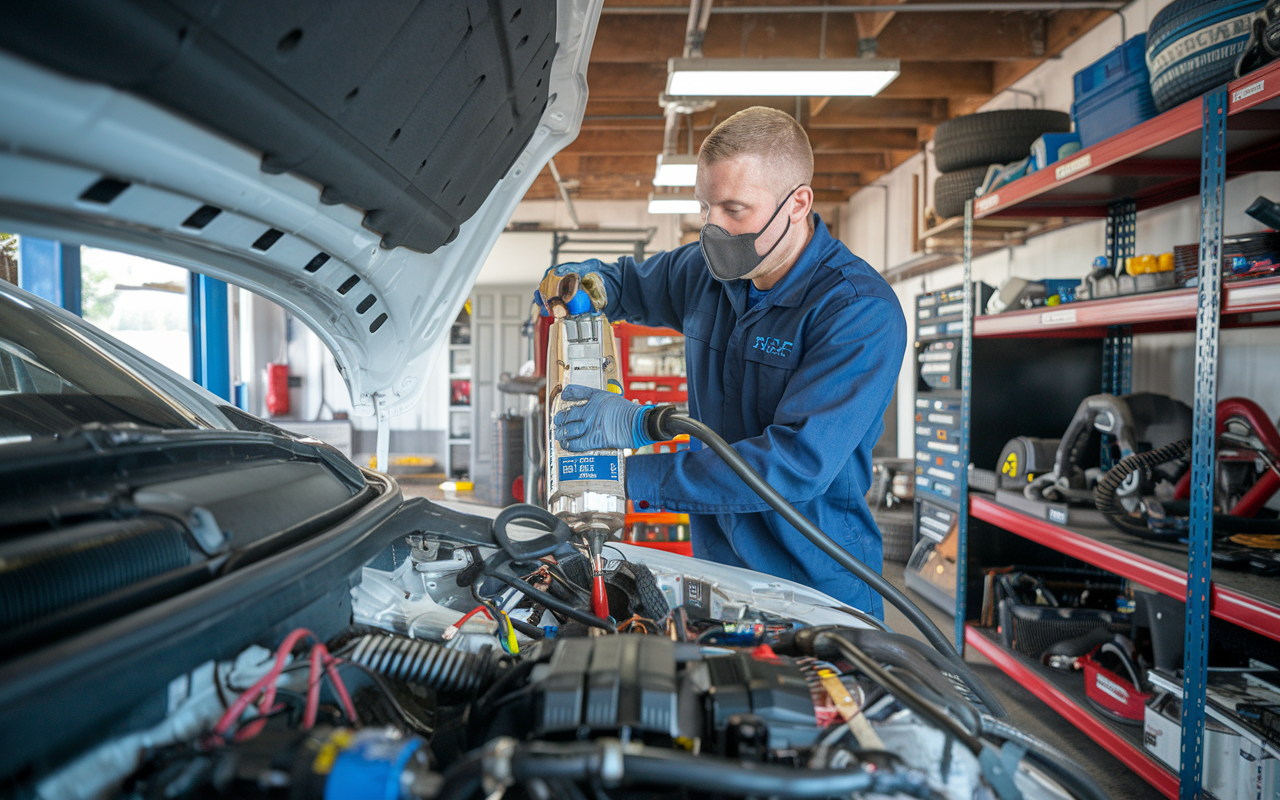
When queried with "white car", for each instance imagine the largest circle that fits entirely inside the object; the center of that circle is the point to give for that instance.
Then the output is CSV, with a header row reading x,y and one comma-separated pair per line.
x,y
195,603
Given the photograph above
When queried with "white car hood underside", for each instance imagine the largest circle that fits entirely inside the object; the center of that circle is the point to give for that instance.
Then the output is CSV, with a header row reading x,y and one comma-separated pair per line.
x,y
62,135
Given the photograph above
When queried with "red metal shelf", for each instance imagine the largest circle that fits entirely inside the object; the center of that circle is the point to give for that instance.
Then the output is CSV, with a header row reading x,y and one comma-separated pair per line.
x,y
1147,313
1120,746
1225,603
1154,163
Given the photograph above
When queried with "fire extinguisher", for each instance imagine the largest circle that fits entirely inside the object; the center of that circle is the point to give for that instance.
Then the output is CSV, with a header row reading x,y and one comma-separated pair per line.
x,y
277,389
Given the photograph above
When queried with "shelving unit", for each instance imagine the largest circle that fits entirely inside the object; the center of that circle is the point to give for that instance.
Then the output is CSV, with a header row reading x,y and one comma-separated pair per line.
x,y
1064,693
649,527
1241,598
1189,150
459,430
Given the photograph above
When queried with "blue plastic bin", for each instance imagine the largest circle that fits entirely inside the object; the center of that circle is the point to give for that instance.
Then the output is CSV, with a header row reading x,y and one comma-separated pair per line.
x,y
1114,93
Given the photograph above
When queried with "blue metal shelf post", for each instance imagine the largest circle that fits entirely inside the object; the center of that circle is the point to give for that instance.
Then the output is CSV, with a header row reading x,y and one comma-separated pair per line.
x,y
50,270
966,392
1203,455
210,335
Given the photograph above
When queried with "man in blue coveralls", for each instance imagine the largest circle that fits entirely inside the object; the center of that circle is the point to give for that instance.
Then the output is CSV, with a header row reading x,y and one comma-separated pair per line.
x,y
793,346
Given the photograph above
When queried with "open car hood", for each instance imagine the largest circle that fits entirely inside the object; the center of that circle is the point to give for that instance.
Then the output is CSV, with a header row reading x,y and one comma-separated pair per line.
x,y
354,170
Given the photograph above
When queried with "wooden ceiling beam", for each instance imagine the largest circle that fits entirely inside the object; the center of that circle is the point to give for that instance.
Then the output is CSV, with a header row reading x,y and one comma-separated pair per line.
x,y
982,36
862,141
918,79
940,79
876,112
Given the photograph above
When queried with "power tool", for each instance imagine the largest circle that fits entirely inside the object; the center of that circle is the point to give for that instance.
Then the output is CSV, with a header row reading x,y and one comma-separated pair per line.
x,y
585,489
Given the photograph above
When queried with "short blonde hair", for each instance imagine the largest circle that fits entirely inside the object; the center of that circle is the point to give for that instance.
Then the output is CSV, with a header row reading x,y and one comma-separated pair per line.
x,y
773,136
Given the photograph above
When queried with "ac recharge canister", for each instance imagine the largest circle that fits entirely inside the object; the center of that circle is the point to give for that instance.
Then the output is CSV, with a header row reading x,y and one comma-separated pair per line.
x,y
585,489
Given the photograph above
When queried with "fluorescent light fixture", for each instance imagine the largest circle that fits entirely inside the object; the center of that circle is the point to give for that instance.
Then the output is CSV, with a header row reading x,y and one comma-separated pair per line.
x,y
779,77
675,170
674,203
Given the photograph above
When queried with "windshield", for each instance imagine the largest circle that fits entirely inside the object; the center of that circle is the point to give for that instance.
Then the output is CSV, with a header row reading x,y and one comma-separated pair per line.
x,y
53,379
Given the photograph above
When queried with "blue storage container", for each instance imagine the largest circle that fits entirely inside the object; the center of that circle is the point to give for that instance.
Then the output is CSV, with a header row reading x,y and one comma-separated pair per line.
x,y
1114,93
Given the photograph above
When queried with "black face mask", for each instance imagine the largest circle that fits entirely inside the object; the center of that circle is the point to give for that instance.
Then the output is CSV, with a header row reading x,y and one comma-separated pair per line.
x,y
732,257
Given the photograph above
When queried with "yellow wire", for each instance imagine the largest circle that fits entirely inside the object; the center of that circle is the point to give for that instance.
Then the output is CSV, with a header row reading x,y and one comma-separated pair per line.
x,y
513,647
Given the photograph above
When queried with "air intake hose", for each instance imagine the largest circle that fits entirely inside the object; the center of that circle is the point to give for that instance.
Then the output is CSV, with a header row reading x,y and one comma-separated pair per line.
x,y
455,673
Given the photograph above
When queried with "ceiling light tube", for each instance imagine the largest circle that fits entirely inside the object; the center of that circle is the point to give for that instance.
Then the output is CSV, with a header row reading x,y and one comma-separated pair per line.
x,y
779,77
674,203
676,170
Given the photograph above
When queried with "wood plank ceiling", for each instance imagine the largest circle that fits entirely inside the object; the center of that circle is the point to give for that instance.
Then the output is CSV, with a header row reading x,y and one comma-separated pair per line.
x,y
952,62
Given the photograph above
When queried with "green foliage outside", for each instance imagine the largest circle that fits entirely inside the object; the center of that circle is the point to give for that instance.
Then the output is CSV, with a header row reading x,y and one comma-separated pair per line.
x,y
97,294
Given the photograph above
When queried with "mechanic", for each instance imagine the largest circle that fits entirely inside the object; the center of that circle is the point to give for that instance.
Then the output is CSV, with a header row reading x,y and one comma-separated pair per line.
x,y
793,346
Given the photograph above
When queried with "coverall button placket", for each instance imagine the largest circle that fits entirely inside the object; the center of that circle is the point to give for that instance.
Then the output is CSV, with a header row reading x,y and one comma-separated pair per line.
x,y
733,363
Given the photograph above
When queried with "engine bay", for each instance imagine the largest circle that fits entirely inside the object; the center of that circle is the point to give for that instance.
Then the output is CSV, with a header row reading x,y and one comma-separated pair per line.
x,y
467,670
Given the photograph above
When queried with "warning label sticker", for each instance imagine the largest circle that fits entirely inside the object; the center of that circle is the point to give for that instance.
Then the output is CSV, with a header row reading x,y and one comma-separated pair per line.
x,y
588,468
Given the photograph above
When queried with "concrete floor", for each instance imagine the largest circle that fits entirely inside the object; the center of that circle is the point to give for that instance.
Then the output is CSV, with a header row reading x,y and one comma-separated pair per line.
x,y
1025,709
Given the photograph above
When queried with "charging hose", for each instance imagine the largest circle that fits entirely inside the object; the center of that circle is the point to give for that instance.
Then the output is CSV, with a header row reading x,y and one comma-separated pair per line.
x,y
662,423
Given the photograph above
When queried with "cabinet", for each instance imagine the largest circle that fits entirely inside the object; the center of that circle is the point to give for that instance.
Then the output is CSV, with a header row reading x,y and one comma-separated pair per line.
x,y
1187,151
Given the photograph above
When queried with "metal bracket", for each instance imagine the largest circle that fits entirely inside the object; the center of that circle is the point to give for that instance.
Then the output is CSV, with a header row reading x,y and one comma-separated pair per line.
x,y
1199,549
1122,232
1117,371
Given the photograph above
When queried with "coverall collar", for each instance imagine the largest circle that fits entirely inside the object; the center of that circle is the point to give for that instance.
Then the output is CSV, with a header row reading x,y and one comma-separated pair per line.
x,y
790,291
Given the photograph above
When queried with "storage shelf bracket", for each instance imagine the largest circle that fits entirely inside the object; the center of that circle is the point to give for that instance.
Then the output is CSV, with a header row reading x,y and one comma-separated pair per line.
x,y
1208,306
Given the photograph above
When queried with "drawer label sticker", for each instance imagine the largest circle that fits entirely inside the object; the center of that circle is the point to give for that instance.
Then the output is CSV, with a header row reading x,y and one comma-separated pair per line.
x,y
1063,317
589,468
1248,91
1073,166
986,203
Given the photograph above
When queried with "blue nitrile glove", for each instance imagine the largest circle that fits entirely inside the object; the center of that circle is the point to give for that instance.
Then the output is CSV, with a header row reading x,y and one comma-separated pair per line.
x,y
580,268
605,421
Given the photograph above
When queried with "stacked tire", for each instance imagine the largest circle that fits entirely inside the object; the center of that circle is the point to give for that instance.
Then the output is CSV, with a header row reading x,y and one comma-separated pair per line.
x,y
1193,46
964,147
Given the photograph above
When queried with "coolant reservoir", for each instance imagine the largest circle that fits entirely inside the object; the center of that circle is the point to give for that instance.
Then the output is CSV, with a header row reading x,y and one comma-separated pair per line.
x,y
584,489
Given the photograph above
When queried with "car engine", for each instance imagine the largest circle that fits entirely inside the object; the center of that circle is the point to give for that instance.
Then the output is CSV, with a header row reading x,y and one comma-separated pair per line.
x,y
470,670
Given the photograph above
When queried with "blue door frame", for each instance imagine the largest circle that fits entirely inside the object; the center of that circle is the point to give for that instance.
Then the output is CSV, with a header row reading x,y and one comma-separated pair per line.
x,y
210,334
50,270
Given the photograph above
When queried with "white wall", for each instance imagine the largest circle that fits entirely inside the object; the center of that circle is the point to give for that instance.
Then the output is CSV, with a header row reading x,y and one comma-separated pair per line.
x,y
1250,363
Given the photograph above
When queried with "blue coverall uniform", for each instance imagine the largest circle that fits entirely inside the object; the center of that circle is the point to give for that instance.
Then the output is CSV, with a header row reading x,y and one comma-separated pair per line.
x,y
798,383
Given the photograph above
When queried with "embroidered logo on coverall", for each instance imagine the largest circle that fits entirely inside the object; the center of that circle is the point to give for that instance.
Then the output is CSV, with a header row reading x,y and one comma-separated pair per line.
x,y
773,346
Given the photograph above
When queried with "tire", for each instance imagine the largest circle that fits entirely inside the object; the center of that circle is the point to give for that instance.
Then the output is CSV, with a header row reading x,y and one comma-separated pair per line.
x,y
1193,46
897,529
993,137
952,189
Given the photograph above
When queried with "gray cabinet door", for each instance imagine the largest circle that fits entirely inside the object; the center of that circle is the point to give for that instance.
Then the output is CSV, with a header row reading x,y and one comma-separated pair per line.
x,y
497,312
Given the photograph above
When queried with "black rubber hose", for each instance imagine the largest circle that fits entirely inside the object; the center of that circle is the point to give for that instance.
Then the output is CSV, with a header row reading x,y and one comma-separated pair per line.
x,y
671,423
1104,494
532,631
905,652
557,532
553,603
904,694
966,674
451,672
1048,759
704,773
462,780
